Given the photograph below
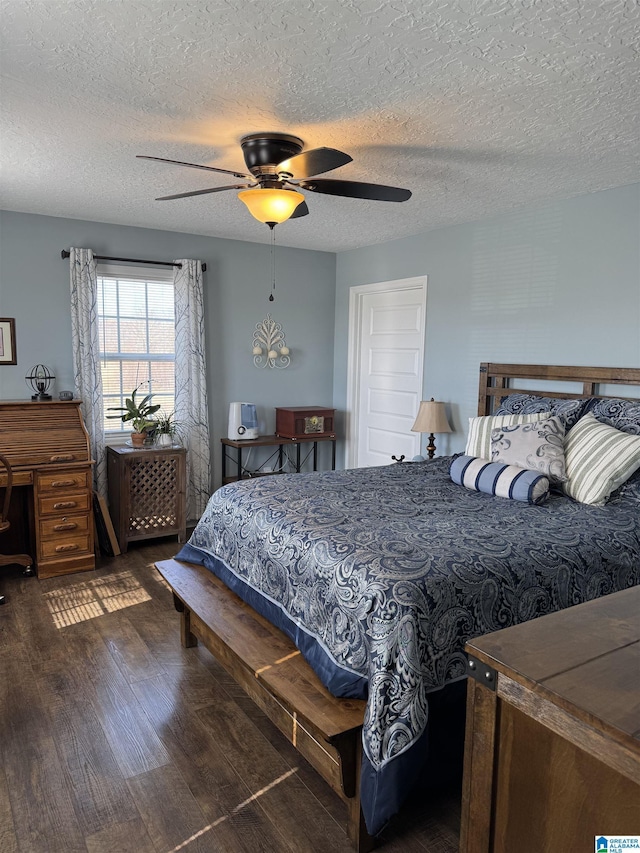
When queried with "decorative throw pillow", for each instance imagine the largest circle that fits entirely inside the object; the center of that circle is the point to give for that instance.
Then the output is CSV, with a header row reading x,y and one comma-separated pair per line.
x,y
537,446
504,481
479,438
621,414
599,459
570,410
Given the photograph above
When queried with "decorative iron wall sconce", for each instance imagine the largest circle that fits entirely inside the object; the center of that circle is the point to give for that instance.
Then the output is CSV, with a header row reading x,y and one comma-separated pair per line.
x,y
269,346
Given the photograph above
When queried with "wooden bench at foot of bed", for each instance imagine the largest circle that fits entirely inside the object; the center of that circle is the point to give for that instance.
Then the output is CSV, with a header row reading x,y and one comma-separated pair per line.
x,y
326,730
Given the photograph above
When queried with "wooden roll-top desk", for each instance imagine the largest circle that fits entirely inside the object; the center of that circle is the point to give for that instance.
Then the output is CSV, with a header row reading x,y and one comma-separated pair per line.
x,y
47,445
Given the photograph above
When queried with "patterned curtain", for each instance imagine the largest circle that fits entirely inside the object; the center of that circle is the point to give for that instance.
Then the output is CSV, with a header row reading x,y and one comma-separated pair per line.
x,y
191,388
86,356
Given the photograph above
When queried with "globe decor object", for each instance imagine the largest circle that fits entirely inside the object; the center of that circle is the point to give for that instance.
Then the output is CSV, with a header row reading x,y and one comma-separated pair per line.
x,y
39,379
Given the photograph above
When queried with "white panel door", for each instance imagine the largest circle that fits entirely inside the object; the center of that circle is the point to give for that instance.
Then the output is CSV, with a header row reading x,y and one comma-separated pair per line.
x,y
389,367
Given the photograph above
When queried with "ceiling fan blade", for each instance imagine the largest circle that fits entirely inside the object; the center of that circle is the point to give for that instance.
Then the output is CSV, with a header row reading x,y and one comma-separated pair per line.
x,y
314,162
205,192
357,189
194,166
301,210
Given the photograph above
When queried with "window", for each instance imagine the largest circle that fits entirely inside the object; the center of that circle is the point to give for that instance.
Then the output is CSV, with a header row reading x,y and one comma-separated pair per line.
x,y
137,338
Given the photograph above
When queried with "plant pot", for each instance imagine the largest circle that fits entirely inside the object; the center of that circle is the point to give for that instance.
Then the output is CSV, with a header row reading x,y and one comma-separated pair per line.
x,y
137,438
164,440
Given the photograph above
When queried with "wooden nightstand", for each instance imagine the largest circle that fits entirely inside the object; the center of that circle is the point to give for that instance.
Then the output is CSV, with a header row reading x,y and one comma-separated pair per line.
x,y
147,492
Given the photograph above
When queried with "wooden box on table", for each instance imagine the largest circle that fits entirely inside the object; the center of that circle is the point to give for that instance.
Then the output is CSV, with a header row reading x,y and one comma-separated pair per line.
x,y
303,421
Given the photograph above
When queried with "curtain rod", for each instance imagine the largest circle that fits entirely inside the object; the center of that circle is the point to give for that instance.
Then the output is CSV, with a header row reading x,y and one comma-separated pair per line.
x,y
66,254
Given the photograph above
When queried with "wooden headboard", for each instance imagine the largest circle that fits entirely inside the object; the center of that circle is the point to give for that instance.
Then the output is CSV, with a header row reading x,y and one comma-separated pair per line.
x,y
497,381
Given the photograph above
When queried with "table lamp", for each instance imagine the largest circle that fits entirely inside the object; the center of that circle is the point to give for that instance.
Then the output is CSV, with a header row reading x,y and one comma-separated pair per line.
x,y
40,379
431,418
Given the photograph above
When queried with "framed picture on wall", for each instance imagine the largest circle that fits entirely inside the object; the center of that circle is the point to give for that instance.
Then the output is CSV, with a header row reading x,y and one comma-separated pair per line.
x,y
8,341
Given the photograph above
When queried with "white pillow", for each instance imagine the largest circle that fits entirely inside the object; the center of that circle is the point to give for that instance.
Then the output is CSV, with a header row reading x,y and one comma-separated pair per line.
x,y
479,437
537,447
599,458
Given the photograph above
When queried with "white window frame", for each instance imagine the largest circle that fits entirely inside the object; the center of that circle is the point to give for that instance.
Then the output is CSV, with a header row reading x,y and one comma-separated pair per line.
x,y
132,273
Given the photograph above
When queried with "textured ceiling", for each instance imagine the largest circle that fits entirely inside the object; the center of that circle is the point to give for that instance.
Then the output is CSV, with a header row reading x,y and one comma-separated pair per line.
x,y
477,107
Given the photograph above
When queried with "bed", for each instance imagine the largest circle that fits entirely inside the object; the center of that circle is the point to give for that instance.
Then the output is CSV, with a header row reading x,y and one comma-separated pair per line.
x,y
380,576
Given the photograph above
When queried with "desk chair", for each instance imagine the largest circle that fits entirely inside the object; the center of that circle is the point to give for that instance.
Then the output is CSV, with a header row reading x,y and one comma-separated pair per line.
x,y
10,559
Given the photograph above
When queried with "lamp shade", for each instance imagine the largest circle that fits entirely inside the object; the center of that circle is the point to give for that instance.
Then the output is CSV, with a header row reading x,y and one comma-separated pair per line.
x,y
267,205
431,418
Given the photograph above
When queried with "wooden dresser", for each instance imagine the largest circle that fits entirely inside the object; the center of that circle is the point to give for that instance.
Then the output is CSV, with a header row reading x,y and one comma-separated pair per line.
x,y
48,448
552,749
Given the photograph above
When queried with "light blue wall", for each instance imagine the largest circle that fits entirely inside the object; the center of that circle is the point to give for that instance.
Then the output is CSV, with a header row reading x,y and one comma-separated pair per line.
x,y
34,289
554,284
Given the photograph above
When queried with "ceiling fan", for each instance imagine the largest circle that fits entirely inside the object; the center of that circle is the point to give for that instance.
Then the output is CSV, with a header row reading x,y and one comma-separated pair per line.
x,y
278,168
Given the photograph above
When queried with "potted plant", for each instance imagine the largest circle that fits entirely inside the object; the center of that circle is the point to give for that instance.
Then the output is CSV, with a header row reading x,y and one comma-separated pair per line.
x,y
138,413
166,430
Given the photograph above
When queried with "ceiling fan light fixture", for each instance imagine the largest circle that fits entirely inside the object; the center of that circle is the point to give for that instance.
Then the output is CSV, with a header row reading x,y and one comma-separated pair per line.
x,y
271,205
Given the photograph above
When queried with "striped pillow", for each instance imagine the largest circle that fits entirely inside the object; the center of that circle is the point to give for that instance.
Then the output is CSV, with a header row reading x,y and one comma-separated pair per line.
x,y
599,458
504,481
479,438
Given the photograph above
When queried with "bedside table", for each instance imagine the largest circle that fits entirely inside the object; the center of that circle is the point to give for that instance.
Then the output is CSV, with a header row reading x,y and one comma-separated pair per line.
x,y
147,492
273,441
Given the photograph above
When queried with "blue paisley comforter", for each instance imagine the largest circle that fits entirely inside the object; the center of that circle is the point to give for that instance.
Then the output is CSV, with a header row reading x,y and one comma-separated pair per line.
x,y
381,575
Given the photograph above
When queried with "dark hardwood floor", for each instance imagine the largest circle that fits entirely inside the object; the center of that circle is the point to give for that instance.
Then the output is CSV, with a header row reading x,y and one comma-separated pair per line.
x,y
114,739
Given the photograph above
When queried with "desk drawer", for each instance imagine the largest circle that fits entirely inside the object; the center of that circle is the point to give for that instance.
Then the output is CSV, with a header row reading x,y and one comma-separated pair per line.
x,y
68,481
63,504
65,546
64,526
20,478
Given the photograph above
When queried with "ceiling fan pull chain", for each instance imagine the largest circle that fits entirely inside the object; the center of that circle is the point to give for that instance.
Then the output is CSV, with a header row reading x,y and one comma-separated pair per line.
x,y
273,264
